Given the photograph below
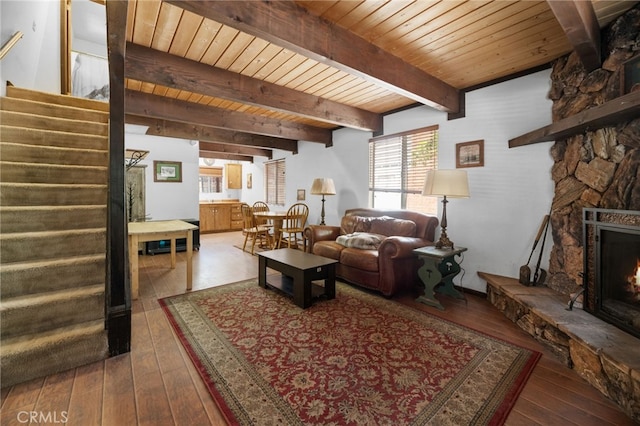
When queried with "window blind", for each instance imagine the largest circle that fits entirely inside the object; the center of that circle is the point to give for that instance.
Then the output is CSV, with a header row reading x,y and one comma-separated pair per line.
x,y
275,182
398,165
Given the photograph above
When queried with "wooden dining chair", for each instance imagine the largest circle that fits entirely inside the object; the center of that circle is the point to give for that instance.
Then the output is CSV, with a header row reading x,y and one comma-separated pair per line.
x,y
292,225
261,206
252,231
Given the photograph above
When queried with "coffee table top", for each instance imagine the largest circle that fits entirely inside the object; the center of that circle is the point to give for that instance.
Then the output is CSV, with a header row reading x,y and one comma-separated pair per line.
x,y
296,258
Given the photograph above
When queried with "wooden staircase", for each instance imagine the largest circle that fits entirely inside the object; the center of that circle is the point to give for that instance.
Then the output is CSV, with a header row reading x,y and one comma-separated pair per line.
x,y
53,221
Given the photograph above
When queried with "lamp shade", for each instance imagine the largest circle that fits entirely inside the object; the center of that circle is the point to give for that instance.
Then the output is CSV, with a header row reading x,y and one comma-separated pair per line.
x,y
452,183
323,186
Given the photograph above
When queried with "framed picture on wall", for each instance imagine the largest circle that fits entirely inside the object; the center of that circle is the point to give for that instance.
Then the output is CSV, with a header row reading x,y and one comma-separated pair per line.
x,y
470,154
300,195
167,171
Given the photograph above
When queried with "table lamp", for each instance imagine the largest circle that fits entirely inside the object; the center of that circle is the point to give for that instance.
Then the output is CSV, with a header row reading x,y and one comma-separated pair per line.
x,y
323,186
446,183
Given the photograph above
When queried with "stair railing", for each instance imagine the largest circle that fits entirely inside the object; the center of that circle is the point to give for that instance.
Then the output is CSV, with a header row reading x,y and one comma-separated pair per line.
x,y
8,45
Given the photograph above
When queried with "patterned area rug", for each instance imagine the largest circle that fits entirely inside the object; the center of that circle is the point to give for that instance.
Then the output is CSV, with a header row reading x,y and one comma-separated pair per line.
x,y
359,359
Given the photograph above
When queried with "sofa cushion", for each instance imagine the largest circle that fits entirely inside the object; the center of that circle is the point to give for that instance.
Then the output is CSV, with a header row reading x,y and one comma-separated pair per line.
x,y
390,226
361,240
351,224
329,249
361,259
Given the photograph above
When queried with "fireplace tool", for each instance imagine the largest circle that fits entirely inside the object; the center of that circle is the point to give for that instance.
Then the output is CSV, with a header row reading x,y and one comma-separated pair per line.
x,y
525,271
540,275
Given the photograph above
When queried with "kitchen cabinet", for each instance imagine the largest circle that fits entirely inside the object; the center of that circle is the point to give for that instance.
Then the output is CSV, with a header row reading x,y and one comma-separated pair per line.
x,y
220,216
234,175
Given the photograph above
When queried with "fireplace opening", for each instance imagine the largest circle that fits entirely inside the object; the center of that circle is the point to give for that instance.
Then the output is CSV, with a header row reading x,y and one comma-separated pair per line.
x,y
612,267
619,279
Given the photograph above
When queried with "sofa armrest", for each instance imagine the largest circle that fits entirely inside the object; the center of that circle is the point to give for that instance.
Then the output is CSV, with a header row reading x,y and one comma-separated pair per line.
x,y
400,247
315,233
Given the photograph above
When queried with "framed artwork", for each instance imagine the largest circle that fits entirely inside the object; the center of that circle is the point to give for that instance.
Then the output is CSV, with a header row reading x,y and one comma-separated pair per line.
x,y
167,171
470,154
630,75
249,180
301,195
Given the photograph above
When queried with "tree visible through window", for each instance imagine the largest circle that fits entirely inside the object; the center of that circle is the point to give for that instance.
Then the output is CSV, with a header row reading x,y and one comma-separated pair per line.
x,y
398,165
274,172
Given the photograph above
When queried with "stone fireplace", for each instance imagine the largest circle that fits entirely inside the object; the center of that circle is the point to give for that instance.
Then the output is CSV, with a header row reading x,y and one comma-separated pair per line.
x,y
595,212
598,168
612,267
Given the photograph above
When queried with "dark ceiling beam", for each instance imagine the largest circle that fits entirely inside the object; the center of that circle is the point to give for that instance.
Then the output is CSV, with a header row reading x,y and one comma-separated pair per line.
x,y
153,66
234,149
289,25
174,129
148,105
225,156
580,24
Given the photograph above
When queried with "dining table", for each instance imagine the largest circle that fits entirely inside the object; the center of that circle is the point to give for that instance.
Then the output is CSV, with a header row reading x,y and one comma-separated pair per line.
x,y
275,217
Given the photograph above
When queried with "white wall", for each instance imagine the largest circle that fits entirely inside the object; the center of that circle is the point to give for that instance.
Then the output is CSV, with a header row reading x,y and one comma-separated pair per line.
x,y
168,200
34,62
346,162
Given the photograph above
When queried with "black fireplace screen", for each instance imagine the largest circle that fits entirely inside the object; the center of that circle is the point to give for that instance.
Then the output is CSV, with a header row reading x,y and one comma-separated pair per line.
x,y
612,273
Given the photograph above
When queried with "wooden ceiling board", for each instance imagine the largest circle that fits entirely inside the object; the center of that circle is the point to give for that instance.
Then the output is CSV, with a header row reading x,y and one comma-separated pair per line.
x,y
254,52
233,50
462,30
131,16
270,53
202,40
168,21
360,13
185,33
278,61
222,39
145,20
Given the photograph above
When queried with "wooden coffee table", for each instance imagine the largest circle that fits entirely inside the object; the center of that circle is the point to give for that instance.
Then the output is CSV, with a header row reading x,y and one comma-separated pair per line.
x,y
299,270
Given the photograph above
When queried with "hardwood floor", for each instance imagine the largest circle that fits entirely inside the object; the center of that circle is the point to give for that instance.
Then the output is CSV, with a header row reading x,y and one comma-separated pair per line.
x,y
156,383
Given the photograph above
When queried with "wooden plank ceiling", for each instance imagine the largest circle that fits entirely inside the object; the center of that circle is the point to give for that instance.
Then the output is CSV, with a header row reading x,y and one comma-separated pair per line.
x,y
267,74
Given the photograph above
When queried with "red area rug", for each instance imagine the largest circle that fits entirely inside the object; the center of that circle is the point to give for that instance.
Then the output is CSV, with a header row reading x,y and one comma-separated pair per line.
x,y
359,359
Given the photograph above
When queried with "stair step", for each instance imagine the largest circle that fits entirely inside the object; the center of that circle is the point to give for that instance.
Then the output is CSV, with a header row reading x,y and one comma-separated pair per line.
x,y
50,138
36,313
43,276
27,357
17,152
31,246
56,99
51,218
19,119
46,109
38,194
51,173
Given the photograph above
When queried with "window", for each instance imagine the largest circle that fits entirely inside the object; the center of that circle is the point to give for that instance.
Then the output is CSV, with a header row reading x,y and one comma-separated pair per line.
x,y
398,165
210,180
274,182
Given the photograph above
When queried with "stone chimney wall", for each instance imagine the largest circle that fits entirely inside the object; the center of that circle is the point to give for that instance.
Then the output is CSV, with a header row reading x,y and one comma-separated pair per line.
x,y
599,168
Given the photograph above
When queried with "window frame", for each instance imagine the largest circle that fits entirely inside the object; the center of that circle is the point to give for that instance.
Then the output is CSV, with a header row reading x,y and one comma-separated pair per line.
x,y
393,169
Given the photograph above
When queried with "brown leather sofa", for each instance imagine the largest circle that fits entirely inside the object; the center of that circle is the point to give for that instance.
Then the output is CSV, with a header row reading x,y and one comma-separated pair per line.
x,y
374,247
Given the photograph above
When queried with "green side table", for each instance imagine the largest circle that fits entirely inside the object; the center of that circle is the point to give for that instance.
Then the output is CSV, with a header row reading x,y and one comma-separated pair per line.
x,y
440,267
